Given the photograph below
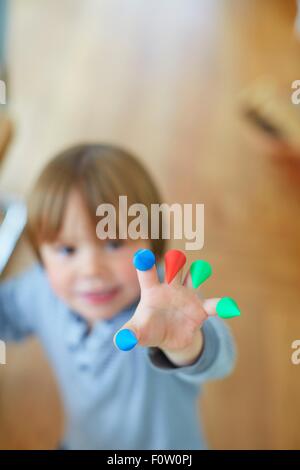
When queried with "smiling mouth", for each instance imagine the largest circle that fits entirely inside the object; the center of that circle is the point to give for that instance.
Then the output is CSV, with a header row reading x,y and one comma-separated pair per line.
x,y
97,297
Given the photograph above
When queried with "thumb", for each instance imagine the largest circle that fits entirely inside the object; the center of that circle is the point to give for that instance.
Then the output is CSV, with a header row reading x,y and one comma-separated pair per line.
x,y
144,261
128,336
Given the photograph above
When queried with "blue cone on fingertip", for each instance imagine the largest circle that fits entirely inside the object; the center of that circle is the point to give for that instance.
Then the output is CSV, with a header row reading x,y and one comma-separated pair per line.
x,y
125,340
143,259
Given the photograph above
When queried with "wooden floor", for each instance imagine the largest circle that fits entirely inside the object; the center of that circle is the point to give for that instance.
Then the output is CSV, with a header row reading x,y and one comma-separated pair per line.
x,y
163,78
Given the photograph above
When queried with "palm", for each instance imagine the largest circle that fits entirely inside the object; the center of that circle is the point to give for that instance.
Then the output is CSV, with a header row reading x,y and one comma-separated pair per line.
x,y
168,315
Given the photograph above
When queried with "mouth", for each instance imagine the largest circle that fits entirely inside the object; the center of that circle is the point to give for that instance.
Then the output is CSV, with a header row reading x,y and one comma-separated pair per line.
x,y
100,296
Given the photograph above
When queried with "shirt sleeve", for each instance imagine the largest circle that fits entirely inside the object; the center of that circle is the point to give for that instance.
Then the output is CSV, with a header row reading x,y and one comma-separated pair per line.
x,y
216,360
18,305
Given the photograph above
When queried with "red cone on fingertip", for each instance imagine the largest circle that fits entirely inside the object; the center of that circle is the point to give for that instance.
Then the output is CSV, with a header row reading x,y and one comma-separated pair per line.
x,y
174,261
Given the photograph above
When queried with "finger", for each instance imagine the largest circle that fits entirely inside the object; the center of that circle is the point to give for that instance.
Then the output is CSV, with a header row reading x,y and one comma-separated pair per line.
x,y
227,308
224,307
134,331
125,339
210,306
129,335
199,271
144,262
174,262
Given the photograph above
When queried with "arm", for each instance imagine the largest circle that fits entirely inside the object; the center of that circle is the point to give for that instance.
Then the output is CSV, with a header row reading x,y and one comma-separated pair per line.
x,y
18,302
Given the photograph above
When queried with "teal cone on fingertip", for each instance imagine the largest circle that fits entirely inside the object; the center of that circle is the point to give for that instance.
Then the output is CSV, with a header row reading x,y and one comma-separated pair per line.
x,y
200,271
125,340
227,308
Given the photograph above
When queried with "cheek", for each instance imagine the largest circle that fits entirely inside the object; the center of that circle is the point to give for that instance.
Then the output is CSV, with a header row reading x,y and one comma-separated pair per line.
x,y
60,279
126,274
125,271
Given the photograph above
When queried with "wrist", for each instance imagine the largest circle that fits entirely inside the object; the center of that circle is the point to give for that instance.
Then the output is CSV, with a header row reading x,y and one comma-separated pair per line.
x,y
188,355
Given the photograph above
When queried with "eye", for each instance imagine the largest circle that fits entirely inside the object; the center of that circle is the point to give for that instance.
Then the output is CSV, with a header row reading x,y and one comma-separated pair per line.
x,y
66,250
112,245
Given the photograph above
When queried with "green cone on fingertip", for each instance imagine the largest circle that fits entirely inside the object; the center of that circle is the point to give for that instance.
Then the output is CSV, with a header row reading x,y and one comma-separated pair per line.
x,y
227,308
200,271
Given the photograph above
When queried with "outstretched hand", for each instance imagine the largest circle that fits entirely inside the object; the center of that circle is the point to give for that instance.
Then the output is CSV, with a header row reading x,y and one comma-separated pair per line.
x,y
170,314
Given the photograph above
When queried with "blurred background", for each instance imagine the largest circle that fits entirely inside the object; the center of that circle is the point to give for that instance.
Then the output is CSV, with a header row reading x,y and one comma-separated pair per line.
x,y
201,91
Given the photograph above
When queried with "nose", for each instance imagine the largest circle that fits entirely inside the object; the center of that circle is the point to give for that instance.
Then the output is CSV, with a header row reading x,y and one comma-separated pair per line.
x,y
94,264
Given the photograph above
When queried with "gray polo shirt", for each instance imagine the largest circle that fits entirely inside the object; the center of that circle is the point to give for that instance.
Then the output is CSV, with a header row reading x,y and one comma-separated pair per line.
x,y
114,399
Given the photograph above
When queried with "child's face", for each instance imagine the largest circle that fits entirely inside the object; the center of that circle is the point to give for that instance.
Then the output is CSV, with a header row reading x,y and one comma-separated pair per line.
x,y
96,278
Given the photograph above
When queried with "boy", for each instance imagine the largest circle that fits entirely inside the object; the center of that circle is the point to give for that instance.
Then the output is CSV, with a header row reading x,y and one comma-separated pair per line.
x,y
84,290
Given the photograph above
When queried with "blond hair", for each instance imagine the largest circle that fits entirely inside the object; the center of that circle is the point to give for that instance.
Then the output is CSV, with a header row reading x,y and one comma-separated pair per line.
x,y
101,173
